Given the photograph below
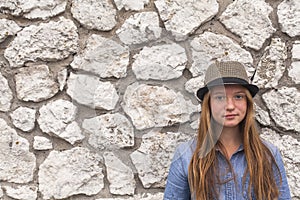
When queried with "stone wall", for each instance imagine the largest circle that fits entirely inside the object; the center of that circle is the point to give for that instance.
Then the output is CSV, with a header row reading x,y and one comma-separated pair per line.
x,y
96,95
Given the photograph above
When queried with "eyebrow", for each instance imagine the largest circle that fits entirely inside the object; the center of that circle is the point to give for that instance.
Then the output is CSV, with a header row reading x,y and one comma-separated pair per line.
x,y
223,92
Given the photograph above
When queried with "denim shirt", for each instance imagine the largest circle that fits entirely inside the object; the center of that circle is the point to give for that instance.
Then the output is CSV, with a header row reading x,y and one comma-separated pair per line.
x,y
177,186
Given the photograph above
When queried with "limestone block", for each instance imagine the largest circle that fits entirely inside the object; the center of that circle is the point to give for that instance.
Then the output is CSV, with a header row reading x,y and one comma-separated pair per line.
x,y
140,28
35,83
206,49
271,66
249,20
288,12
284,107
109,131
90,91
262,116
23,192
294,72
119,175
6,95
24,118
296,51
183,17
8,28
33,9
50,41
62,78
70,172
290,150
42,143
156,106
153,158
168,65
17,162
93,14
104,57
143,196
193,84
58,118
131,4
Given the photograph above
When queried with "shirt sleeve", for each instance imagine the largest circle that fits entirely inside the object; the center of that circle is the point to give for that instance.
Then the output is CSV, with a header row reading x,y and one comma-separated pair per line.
x,y
284,190
177,187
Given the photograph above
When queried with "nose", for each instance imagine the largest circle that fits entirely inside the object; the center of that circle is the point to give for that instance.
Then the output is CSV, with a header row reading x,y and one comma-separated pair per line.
x,y
229,104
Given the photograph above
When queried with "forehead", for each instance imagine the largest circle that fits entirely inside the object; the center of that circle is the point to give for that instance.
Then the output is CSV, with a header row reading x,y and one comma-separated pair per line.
x,y
227,89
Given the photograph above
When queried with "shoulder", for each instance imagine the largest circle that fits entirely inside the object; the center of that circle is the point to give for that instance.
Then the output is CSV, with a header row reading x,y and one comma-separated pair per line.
x,y
273,148
184,151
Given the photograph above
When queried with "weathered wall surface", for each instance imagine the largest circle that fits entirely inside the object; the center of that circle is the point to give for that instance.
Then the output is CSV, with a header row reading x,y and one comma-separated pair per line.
x,y
95,95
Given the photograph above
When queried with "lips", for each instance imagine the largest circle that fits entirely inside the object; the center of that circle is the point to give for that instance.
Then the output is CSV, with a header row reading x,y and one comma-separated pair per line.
x,y
230,116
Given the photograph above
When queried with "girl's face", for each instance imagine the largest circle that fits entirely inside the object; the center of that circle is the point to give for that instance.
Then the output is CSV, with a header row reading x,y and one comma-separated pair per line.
x,y
228,105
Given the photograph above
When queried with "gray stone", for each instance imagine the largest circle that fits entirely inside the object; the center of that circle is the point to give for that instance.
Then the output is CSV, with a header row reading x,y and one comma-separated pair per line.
x,y
119,175
153,158
290,150
42,143
143,196
110,131
62,78
33,9
17,162
70,172
22,192
168,65
184,17
92,14
35,83
57,117
90,91
284,107
104,57
272,65
249,20
206,49
8,28
6,94
294,72
140,28
193,84
24,118
288,12
131,4
262,116
296,51
156,106
51,41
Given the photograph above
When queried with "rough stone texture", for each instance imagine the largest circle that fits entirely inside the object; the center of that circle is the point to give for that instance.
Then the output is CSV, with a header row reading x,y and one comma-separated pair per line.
x,y
93,14
119,175
131,4
57,117
144,196
51,41
62,78
112,131
294,72
8,28
24,118
33,9
42,143
35,83
140,28
168,65
296,50
90,91
22,192
17,163
290,150
184,17
6,94
70,172
104,57
153,157
288,12
272,65
1,193
284,107
193,84
249,20
262,116
156,106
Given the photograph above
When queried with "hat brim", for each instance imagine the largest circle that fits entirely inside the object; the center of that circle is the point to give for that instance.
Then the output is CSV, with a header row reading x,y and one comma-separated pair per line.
x,y
253,89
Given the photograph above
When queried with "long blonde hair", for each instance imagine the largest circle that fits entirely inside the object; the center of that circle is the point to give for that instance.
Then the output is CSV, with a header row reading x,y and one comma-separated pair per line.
x,y
203,170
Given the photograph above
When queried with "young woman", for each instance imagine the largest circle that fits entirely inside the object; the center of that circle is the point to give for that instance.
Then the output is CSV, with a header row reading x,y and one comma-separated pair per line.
x,y
227,160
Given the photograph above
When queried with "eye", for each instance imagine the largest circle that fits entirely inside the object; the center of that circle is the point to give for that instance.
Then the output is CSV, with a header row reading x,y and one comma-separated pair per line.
x,y
220,97
239,96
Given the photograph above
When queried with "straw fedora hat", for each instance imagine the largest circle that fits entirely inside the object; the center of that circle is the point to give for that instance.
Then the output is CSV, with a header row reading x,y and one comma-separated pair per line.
x,y
226,73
